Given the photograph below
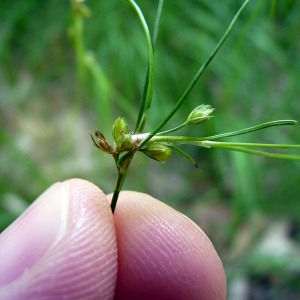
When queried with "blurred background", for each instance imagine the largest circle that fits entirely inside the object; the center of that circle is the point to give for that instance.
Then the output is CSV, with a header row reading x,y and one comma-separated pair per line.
x,y
67,69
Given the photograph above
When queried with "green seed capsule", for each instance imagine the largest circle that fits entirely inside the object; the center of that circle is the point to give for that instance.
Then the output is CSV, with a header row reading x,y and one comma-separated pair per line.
x,y
121,135
158,152
200,114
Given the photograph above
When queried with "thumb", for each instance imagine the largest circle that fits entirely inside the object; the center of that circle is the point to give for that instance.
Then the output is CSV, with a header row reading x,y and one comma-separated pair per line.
x,y
62,246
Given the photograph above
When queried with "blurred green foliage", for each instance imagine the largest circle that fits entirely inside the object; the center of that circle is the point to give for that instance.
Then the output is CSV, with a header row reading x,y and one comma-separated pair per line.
x,y
47,110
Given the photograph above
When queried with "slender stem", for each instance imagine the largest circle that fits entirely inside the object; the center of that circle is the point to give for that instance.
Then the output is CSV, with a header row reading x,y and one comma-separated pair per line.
x,y
173,129
192,140
272,8
78,26
149,82
122,165
102,89
251,129
106,91
141,120
263,153
198,75
157,21
145,103
140,138
118,187
184,154
251,145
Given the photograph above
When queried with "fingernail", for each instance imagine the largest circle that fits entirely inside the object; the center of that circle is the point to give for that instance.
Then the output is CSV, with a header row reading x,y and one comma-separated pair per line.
x,y
37,230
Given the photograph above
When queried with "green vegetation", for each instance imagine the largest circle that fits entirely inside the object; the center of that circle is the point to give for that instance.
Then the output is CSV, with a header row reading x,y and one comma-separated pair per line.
x,y
51,57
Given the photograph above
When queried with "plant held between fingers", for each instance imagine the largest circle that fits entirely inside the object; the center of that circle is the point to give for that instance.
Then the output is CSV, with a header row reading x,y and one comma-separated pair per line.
x,y
158,144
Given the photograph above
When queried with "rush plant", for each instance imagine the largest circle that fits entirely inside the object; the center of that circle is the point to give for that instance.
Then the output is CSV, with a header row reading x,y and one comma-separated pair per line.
x,y
159,145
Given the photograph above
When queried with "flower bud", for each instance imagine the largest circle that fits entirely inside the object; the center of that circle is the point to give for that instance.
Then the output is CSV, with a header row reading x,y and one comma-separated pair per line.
x,y
200,114
121,135
158,152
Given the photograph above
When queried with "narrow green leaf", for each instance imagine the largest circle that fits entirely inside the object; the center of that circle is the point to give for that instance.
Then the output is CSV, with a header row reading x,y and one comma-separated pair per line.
x,y
185,154
251,145
263,153
251,129
198,75
194,140
149,80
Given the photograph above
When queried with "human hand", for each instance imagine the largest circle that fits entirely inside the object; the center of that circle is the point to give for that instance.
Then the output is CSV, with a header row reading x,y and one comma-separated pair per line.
x,y
68,245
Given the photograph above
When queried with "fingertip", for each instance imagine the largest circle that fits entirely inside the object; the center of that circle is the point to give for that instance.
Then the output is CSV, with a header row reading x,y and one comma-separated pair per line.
x,y
81,261
162,254
93,231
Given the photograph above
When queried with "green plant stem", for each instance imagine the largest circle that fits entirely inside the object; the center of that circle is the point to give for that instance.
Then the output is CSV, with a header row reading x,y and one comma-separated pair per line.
x,y
141,119
149,83
173,129
77,34
261,153
105,91
185,155
146,100
273,8
122,165
117,189
139,138
251,129
251,145
157,21
102,88
197,76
